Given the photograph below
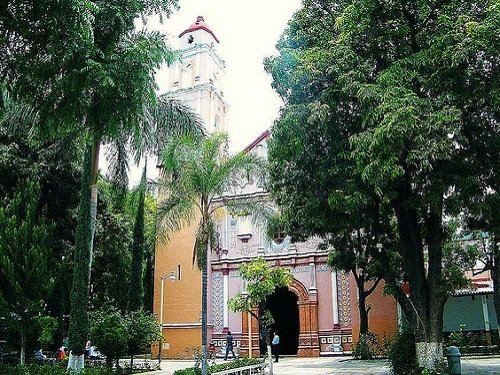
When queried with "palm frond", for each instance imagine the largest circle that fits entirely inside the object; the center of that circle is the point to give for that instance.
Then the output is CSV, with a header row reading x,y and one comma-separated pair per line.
x,y
117,158
18,117
174,213
173,118
259,208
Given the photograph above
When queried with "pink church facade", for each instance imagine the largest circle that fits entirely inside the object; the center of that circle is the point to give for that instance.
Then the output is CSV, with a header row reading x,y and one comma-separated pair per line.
x,y
320,306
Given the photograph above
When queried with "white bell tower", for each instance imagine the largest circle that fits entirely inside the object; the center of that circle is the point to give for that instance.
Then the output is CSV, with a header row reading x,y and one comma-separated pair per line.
x,y
195,77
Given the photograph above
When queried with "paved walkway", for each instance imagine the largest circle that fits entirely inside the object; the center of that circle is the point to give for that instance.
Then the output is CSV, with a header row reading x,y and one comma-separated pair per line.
x,y
344,366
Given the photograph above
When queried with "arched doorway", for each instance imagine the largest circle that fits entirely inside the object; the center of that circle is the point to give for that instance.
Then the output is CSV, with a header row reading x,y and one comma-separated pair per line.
x,y
304,307
285,310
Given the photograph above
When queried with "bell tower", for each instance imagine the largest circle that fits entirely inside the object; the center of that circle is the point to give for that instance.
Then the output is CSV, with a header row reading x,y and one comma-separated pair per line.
x,y
195,79
196,76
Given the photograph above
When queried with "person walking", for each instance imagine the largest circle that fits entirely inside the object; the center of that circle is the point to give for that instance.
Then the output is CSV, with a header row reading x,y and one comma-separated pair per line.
x,y
276,346
229,345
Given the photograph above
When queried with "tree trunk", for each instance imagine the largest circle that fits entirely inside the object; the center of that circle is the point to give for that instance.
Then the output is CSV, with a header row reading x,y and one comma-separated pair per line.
x,y
204,333
426,299
78,323
131,364
363,312
22,358
269,354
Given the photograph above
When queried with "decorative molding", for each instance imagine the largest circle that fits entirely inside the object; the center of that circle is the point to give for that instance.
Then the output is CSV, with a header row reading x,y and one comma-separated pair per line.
x,y
344,299
299,289
217,301
300,269
323,268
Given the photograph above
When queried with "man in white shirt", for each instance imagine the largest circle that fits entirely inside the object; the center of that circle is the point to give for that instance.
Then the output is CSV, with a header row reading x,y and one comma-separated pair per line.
x,y
276,345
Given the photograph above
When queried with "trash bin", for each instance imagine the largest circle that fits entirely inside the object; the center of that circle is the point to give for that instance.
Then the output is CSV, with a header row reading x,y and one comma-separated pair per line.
x,y
453,355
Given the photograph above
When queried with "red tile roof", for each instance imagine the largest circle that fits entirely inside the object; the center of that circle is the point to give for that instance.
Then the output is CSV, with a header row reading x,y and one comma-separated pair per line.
x,y
199,25
260,138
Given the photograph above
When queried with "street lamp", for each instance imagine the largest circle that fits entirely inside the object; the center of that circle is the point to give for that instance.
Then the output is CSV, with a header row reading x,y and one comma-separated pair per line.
x,y
172,275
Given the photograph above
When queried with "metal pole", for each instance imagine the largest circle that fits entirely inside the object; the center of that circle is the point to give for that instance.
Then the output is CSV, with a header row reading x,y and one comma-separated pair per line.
x,y
161,319
249,335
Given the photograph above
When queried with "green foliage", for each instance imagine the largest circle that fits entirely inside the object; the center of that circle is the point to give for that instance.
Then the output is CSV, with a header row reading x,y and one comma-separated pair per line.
x,y
48,326
37,369
262,281
239,362
108,332
113,236
195,172
142,331
136,287
23,156
370,346
25,280
458,338
32,369
402,352
396,101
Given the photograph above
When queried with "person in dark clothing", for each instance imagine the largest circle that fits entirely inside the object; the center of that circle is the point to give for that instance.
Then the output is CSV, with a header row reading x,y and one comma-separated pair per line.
x,y
229,345
276,346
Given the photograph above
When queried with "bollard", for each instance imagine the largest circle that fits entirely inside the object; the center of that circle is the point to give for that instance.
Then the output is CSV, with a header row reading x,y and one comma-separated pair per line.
x,y
453,355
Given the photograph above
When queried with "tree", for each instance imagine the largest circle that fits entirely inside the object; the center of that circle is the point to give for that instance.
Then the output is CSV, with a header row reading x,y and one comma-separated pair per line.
x,y
101,85
25,247
319,194
261,281
23,157
136,287
108,332
411,86
318,191
142,331
48,327
195,172
113,239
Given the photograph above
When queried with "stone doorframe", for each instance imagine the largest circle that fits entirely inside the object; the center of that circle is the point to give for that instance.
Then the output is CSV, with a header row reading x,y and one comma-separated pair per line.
x,y
308,323
308,320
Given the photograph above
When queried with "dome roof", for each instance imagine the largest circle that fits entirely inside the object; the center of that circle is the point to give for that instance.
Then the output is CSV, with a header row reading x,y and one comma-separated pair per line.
x,y
199,25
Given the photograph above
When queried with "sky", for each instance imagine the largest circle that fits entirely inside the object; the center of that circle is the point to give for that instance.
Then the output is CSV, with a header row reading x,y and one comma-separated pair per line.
x,y
248,32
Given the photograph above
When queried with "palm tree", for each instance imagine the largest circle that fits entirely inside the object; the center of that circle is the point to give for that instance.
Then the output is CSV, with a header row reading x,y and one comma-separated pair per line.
x,y
158,121
100,86
195,172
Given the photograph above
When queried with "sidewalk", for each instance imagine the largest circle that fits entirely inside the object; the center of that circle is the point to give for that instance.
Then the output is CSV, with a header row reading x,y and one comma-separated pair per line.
x,y
301,366
343,366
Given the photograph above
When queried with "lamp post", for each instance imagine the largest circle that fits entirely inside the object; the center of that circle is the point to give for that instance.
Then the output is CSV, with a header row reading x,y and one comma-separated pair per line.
x,y
172,276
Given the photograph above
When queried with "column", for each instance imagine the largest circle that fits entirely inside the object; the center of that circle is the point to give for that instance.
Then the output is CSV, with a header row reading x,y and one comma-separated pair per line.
x,y
335,303
312,276
225,298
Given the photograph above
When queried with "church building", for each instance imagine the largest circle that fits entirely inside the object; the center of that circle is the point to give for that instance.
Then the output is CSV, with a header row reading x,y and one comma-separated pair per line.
x,y
316,315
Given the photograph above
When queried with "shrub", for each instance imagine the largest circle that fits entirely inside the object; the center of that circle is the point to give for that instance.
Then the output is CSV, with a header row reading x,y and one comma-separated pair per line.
x,y
239,362
38,369
369,346
402,352
142,331
109,334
